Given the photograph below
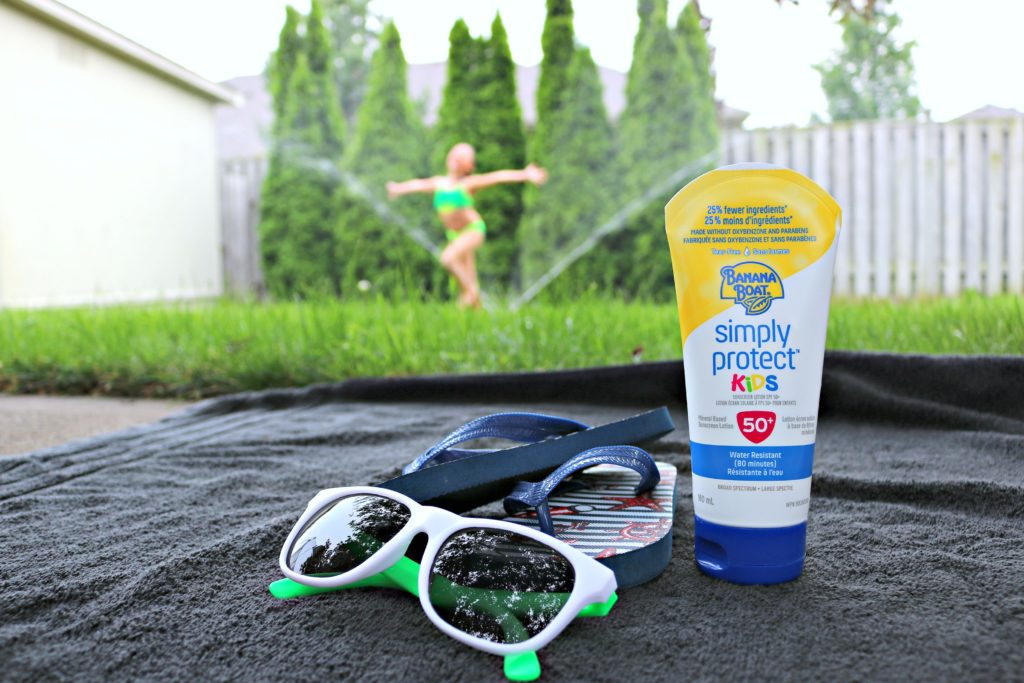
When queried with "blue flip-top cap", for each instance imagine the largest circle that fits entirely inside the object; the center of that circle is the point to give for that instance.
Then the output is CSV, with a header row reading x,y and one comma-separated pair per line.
x,y
750,556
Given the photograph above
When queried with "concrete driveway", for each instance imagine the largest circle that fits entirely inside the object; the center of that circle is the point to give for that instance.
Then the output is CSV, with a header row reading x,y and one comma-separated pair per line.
x,y
28,423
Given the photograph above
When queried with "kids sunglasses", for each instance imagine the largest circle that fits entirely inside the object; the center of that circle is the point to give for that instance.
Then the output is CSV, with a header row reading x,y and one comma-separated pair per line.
x,y
500,587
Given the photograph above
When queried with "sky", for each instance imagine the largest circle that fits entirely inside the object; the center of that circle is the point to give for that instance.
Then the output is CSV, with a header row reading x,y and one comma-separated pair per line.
x,y
763,52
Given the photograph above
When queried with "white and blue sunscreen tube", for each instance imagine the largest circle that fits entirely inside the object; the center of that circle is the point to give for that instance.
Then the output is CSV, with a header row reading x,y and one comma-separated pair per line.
x,y
752,248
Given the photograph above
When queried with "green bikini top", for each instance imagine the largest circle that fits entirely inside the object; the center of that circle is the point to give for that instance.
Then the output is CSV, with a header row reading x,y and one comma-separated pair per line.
x,y
452,199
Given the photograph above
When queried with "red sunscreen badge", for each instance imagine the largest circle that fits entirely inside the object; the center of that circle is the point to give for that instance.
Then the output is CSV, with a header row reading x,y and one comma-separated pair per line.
x,y
756,425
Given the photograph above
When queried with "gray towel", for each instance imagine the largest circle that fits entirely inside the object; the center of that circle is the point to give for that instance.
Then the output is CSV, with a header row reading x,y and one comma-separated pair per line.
x,y
145,554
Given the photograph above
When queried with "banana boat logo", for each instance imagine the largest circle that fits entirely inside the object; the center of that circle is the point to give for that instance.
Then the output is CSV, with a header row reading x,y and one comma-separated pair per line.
x,y
751,284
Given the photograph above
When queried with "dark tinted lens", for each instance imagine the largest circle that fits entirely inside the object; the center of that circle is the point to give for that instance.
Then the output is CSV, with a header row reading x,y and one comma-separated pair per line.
x,y
343,535
499,585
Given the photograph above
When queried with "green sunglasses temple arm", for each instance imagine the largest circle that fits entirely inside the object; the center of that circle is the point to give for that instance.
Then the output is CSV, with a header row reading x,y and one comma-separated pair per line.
x,y
599,609
404,575
523,666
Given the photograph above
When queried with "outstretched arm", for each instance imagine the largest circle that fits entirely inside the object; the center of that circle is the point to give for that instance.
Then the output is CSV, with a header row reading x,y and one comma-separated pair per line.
x,y
531,174
410,186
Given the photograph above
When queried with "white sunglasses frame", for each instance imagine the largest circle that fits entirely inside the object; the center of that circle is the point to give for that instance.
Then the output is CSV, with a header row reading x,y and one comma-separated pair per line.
x,y
594,583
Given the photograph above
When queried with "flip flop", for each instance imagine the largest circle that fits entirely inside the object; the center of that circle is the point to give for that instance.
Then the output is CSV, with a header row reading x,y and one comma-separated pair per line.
x,y
617,507
460,479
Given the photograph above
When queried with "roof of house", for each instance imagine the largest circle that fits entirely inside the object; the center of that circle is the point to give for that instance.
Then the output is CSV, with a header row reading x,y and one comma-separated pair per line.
x,y
242,131
731,117
66,19
426,83
989,111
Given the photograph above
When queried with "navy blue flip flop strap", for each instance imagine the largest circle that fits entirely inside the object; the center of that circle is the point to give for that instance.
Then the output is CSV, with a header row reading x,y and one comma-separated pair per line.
x,y
535,495
519,427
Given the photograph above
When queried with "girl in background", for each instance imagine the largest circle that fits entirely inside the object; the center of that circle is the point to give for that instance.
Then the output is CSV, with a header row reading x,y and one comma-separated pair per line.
x,y
453,201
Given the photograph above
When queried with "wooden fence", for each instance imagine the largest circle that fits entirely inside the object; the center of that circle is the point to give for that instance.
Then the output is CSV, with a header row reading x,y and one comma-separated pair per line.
x,y
928,208
241,181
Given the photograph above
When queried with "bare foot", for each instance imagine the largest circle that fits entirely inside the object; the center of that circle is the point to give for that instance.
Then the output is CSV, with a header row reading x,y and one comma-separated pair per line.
x,y
469,300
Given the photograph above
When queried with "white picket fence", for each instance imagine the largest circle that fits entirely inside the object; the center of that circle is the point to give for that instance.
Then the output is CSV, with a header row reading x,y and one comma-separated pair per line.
x,y
928,208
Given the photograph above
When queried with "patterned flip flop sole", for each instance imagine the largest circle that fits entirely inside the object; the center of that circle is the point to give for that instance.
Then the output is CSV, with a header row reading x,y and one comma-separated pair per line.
x,y
604,518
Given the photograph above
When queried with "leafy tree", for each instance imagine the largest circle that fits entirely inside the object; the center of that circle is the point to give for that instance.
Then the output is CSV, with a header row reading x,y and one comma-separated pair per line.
x,y
297,207
354,36
872,76
282,61
693,40
575,199
656,133
389,143
846,8
558,43
501,143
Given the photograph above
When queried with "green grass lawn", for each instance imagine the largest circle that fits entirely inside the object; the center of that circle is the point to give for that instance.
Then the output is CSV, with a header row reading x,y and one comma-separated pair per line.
x,y
189,351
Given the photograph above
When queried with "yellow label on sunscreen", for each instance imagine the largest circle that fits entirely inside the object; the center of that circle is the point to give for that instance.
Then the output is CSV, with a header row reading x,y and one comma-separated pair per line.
x,y
752,253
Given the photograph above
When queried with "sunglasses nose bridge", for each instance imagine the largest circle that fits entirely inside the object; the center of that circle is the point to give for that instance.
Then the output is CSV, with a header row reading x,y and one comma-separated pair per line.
x,y
435,522
416,526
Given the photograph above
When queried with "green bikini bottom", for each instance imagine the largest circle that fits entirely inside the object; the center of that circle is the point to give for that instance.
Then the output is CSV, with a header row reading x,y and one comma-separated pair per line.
x,y
479,226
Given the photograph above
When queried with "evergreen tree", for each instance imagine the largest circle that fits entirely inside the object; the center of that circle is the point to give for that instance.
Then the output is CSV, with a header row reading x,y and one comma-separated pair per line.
x,y
282,61
321,65
575,199
872,76
457,119
647,10
558,43
297,207
480,106
318,39
656,140
693,39
501,143
389,143
655,125
354,37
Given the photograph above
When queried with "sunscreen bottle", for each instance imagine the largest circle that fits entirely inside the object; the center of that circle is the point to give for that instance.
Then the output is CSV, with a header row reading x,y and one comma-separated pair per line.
x,y
753,247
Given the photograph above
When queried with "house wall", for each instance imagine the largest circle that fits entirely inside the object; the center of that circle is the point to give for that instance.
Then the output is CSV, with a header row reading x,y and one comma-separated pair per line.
x,y
108,176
